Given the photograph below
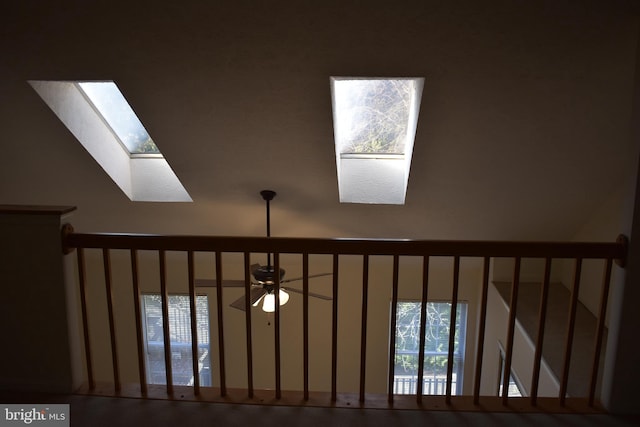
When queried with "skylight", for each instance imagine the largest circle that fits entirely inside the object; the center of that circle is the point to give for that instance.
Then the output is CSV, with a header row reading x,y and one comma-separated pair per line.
x,y
374,123
98,115
110,102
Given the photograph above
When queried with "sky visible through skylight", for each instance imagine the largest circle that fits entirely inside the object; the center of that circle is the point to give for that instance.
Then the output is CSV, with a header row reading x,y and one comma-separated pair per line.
x,y
109,101
372,115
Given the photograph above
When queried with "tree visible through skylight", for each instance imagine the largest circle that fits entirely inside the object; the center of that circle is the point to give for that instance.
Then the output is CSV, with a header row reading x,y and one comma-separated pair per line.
x,y
374,115
109,101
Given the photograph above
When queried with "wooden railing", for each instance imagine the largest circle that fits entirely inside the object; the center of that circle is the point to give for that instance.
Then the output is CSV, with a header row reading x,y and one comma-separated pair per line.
x,y
336,249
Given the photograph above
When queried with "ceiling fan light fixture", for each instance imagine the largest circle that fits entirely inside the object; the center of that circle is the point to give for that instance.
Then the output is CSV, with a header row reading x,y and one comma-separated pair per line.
x,y
269,301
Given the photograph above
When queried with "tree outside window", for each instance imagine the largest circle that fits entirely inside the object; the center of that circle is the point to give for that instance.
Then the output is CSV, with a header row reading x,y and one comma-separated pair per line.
x,y
437,332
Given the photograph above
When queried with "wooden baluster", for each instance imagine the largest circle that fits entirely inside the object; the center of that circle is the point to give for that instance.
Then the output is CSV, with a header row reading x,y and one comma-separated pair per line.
x,y
452,328
142,371
194,324
392,340
166,336
334,332
481,330
575,291
276,322
363,326
604,297
112,327
305,324
513,305
247,309
542,318
423,327
221,361
82,279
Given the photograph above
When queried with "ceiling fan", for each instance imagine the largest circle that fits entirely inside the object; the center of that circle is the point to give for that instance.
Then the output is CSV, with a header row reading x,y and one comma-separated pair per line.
x,y
263,283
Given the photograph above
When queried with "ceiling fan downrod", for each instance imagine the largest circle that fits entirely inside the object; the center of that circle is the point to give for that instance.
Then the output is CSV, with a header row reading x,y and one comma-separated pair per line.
x,y
268,195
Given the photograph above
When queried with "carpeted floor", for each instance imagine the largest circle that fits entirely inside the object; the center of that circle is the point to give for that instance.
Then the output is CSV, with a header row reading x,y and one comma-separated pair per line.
x,y
122,412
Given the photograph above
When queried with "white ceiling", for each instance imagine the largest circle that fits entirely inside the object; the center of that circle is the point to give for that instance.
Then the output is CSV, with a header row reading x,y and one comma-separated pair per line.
x,y
523,129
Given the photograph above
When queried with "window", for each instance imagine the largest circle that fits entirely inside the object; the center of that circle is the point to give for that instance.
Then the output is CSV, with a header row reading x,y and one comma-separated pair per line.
x,y
180,339
374,122
101,119
436,349
515,390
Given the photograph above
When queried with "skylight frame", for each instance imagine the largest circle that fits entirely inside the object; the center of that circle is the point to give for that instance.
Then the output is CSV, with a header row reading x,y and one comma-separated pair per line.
x,y
370,176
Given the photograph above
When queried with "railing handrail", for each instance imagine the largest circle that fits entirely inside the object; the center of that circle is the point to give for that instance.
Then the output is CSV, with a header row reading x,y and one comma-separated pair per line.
x,y
348,246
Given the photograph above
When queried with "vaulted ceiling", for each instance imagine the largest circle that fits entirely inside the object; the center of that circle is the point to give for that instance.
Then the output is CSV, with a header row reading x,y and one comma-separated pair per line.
x,y
523,129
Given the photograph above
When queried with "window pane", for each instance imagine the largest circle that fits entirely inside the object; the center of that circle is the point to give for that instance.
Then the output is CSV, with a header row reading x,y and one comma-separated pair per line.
x,y
116,111
437,331
180,339
373,114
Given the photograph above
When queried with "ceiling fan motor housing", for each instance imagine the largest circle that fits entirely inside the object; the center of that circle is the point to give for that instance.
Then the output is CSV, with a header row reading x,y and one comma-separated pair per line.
x,y
266,274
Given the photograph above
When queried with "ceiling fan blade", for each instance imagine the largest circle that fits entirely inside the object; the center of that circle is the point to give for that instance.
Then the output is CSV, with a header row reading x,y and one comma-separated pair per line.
x,y
212,283
257,302
311,294
254,295
309,276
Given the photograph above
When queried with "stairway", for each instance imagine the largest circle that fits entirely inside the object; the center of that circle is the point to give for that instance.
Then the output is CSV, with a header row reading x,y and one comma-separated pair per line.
x,y
553,347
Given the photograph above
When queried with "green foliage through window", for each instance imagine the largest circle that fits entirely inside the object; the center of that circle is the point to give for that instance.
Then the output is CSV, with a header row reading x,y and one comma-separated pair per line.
x,y
437,333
